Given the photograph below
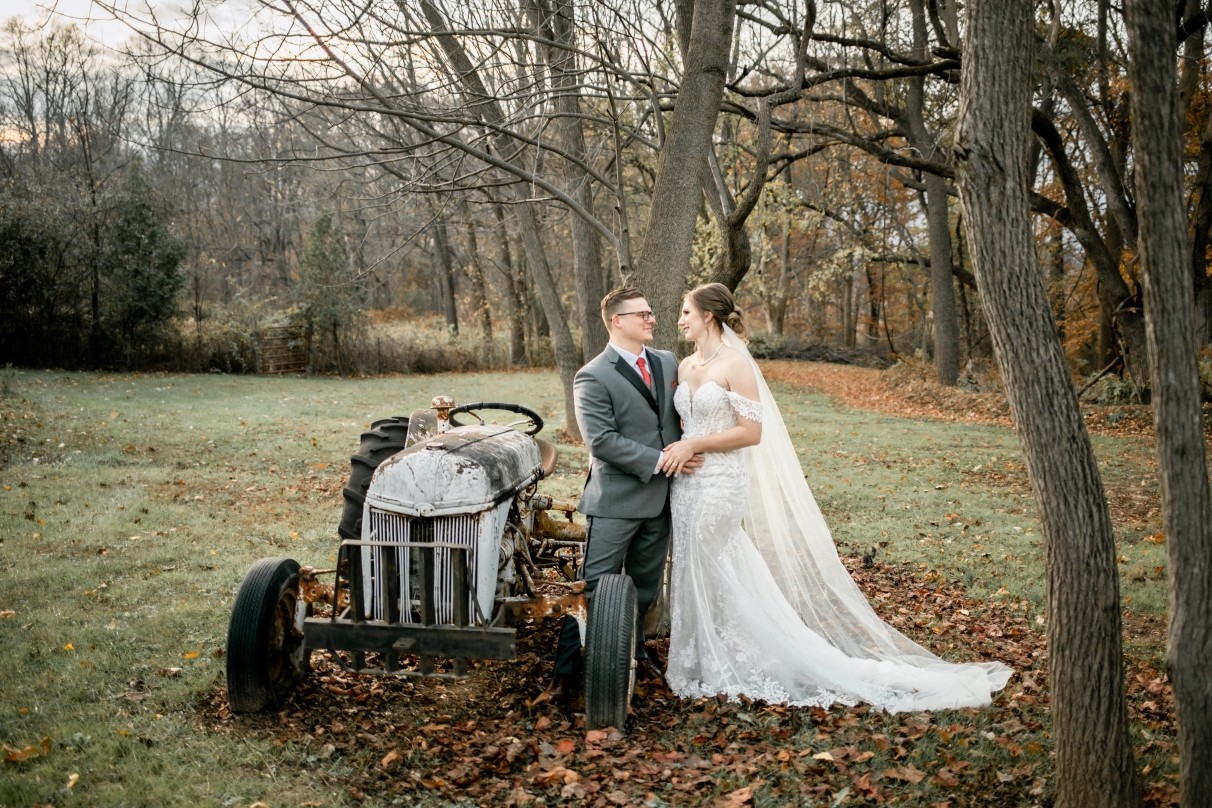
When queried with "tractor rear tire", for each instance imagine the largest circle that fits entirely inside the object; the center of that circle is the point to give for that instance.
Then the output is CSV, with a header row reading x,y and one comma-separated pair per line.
x,y
384,439
266,658
610,652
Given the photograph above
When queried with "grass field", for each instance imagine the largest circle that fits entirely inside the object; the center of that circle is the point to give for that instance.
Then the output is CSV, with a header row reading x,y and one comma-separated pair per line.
x,y
132,505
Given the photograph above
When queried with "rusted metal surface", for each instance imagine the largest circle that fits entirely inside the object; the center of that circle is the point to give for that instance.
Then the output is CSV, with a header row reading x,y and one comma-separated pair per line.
x,y
552,600
565,530
442,405
554,543
543,502
311,589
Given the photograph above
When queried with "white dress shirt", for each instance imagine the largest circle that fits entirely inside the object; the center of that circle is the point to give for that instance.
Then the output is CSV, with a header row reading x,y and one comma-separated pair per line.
x,y
631,357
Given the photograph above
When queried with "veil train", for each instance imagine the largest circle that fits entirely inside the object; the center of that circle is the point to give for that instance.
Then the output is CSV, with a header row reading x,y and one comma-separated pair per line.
x,y
786,525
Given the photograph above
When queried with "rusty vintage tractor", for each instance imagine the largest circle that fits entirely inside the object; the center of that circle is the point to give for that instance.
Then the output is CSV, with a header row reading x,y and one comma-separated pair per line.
x,y
446,547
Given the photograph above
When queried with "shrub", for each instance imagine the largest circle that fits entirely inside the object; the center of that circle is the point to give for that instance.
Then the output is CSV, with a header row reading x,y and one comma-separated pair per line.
x,y
228,340
778,346
225,341
424,345
768,346
1112,390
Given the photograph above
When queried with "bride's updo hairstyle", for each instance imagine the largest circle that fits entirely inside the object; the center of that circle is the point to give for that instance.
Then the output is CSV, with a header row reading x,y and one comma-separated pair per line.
x,y
716,299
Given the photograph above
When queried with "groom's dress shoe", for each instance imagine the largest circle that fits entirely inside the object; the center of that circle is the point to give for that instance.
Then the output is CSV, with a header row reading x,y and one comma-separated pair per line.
x,y
561,691
648,671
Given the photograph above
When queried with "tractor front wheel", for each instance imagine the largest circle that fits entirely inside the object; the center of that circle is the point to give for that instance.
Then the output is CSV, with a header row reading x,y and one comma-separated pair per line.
x,y
610,652
266,659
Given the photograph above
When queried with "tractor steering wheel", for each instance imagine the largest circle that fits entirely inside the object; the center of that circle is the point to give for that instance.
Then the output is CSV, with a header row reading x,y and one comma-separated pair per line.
x,y
536,421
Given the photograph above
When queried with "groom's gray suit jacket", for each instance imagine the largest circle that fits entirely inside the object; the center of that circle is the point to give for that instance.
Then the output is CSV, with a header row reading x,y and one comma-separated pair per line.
x,y
625,426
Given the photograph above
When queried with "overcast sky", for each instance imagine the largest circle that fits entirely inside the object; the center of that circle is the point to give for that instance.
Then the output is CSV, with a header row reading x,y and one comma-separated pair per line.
x,y
98,25
103,29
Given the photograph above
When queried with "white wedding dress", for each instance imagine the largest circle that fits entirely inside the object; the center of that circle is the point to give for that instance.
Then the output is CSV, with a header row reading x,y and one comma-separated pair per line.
x,y
761,603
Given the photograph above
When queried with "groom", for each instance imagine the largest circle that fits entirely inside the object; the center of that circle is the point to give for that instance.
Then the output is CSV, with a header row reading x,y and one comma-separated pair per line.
x,y
624,407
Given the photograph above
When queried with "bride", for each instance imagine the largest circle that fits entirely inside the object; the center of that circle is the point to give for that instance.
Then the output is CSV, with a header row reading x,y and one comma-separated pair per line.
x,y
761,604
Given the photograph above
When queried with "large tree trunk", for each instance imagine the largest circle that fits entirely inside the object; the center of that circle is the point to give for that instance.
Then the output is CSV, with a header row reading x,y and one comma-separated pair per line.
x,y
1201,236
776,288
479,287
1191,109
942,290
549,297
942,286
1118,302
1170,326
1094,762
517,296
560,22
478,97
444,270
664,258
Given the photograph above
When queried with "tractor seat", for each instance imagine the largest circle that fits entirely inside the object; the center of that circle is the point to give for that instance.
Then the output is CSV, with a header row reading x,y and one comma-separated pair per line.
x,y
548,454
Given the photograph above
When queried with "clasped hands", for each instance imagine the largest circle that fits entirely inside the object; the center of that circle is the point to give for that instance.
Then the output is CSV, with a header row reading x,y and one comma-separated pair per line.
x,y
680,458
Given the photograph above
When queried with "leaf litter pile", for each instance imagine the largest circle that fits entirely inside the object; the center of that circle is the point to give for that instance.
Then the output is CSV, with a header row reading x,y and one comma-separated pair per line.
x,y
477,742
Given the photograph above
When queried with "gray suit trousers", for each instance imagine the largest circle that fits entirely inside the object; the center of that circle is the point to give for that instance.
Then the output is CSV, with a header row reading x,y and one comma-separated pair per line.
x,y
637,546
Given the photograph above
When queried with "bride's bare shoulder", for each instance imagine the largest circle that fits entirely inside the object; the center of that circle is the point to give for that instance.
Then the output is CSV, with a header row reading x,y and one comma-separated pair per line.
x,y
740,375
735,362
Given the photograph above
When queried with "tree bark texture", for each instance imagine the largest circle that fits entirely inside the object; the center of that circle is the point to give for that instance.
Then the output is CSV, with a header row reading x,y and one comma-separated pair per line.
x,y
1094,762
1201,236
444,272
1118,302
775,289
477,96
1191,72
665,253
942,290
479,286
557,20
517,297
1177,416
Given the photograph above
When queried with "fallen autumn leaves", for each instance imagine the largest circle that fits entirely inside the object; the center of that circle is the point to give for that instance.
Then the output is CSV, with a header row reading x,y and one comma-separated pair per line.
x,y
437,742
431,742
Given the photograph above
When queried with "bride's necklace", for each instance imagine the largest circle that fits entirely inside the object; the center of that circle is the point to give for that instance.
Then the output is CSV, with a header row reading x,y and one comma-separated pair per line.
x,y
701,362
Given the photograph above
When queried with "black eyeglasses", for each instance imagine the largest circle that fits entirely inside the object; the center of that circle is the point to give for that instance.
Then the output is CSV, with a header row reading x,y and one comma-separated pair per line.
x,y
643,315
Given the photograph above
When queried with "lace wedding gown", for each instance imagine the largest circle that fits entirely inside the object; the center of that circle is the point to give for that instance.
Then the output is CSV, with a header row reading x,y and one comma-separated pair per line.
x,y
789,626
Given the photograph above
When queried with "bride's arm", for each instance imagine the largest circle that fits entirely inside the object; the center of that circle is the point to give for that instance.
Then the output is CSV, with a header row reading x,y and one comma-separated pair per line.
x,y
740,380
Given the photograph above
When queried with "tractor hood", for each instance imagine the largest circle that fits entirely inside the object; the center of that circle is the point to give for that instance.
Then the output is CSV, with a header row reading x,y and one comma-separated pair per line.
x,y
465,470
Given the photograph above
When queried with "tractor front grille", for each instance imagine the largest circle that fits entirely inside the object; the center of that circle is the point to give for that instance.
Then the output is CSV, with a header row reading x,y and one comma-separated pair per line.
x,y
394,558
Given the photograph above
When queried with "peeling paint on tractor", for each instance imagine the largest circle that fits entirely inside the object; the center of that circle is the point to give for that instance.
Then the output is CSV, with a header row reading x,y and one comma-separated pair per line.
x,y
463,470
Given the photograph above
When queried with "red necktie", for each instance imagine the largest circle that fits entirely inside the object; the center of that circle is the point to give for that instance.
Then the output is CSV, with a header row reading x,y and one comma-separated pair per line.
x,y
643,366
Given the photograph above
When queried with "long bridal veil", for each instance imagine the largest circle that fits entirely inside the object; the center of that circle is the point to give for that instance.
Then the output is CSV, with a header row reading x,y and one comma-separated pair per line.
x,y
786,525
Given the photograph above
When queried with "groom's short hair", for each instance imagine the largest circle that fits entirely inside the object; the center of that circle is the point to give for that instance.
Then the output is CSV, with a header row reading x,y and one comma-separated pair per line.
x,y
615,300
